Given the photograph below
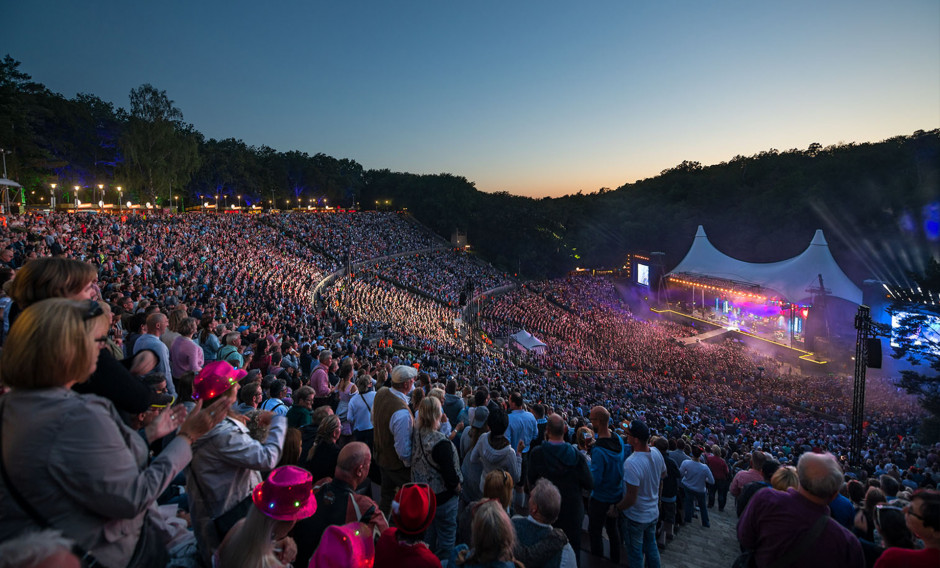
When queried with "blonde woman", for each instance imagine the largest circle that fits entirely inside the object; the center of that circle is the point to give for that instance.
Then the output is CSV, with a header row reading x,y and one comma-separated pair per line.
x,y
784,478
92,480
260,540
493,539
434,461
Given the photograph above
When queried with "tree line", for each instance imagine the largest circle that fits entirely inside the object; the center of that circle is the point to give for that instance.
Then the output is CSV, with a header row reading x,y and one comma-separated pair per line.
x,y
758,208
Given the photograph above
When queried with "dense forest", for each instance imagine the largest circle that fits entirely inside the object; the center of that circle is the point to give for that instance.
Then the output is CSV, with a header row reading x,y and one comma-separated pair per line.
x,y
877,202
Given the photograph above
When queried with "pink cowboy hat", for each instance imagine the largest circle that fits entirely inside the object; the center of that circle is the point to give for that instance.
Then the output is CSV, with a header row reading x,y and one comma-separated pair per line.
x,y
286,495
216,378
346,546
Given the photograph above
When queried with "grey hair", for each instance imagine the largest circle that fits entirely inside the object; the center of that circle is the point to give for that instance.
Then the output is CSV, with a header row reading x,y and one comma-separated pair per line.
x,y
820,474
31,548
547,498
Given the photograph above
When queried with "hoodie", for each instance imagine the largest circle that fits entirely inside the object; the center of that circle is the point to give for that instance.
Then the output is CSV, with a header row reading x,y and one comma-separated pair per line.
x,y
563,465
607,469
491,459
452,406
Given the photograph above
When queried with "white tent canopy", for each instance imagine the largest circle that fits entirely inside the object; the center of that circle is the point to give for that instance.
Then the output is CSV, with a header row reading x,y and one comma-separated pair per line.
x,y
790,278
9,182
528,342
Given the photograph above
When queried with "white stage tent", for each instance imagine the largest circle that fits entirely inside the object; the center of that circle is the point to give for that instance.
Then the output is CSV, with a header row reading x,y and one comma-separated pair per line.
x,y
528,342
789,278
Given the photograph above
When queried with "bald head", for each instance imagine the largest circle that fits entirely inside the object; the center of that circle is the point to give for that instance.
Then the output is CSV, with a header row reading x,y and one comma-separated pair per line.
x,y
555,428
600,414
352,457
820,475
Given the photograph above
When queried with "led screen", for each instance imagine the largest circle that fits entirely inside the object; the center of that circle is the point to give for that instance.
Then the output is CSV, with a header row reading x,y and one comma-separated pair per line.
x,y
642,274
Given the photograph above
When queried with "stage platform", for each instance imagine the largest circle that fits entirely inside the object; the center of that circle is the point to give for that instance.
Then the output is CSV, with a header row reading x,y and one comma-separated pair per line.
x,y
806,361
713,334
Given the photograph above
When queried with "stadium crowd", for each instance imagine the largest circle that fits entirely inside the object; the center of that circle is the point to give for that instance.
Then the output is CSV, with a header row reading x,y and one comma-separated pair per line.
x,y
200,407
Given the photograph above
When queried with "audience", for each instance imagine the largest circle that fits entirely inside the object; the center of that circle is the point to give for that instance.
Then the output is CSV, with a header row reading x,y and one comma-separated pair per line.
x,y
272,301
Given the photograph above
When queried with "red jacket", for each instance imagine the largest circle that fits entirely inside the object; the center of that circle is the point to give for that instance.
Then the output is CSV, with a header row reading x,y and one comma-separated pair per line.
x,y
391,553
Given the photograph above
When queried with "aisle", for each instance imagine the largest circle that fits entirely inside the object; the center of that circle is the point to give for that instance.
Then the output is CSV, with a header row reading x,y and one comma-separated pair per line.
x,y
698,547
695,547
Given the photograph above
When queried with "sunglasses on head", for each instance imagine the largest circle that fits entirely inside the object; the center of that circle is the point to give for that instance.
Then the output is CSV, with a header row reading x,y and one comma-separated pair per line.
x,y
883,507
94,310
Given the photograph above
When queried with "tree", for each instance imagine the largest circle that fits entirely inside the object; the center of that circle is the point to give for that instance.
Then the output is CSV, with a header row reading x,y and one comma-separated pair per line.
x,y
21,111
160,150
918,342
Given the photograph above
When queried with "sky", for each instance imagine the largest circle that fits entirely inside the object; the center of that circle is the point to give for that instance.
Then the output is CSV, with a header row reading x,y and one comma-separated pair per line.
x,y
537,98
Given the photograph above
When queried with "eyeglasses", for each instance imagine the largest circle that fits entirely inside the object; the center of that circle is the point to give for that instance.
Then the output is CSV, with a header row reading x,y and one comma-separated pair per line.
x,y
94,310
909,511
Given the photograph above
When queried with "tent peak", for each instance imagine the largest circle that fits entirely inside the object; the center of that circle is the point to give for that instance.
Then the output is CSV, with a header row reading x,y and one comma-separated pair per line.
x,y
819,239
700,232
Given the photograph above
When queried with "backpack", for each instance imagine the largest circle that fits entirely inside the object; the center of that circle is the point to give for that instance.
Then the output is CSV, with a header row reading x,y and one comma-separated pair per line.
x,y
225,352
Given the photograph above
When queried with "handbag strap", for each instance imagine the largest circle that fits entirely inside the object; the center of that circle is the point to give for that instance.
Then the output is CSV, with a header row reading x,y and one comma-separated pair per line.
x,y
804,545
86,557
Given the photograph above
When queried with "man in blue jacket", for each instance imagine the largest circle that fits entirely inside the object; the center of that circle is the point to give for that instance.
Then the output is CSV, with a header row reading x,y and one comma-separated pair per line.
x,y
607,471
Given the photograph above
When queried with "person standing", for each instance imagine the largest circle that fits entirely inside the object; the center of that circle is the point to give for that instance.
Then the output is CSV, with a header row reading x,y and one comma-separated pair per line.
x,y
721,473
607,471
538,544
777,523
338,503
562,464
755,473
320,379
156,327
695,476
392,428
435,462
522,429
639,508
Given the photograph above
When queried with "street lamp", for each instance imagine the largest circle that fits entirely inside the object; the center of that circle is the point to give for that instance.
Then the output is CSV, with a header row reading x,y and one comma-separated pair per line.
x,y
176,203
101,189
76,197
52,197
239,201
120,196
216,202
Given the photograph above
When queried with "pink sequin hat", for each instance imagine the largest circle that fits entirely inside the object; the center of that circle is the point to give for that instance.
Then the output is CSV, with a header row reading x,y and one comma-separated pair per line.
x,y
286,495
344,546
216,378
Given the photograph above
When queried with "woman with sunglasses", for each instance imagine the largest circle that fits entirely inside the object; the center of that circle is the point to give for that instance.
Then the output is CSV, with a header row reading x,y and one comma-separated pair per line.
x,y
922,516
68,461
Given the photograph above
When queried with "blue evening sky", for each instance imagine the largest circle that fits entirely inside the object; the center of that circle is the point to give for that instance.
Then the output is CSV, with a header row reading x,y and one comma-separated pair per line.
x,y
534,98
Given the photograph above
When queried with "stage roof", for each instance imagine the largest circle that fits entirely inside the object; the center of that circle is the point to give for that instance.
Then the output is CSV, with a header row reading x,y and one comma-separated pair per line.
x,y
790,278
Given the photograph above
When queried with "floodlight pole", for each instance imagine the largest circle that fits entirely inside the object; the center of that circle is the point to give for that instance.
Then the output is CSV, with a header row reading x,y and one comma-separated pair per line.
x,y
863,325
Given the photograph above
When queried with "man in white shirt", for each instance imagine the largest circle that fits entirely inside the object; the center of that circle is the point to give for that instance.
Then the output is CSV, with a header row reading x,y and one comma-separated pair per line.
x,y
359,413
642,473
393,424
